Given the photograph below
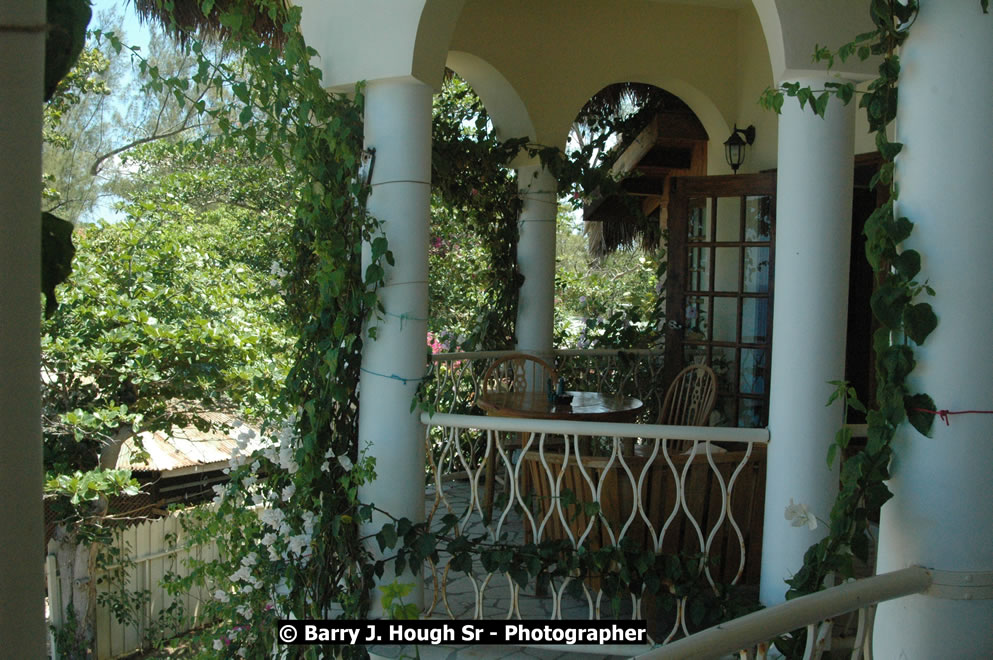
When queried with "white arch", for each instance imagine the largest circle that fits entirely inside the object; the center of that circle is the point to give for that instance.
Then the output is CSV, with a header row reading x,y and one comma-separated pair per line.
x,y
706,111
509,114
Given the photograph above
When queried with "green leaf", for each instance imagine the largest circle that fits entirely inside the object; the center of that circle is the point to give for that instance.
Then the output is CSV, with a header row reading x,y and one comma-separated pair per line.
x,y
387,537
888,150
895,363
922,421
919,321
907,264
888,303
821,103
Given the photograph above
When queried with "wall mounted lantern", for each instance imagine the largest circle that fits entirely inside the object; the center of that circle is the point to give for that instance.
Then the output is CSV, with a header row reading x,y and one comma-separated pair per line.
x,y
734,146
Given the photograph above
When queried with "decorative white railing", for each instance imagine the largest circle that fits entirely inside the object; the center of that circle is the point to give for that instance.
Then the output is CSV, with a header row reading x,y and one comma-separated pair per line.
x,y
815,613
674,490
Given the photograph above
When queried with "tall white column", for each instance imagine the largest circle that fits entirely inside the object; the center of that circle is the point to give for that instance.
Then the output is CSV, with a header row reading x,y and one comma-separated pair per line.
x,y
536,259
813,233
940,516
22,56
398,126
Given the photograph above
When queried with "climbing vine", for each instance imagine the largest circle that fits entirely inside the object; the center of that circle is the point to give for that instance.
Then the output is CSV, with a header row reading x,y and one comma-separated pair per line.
x,y
289,518
475,199
904,322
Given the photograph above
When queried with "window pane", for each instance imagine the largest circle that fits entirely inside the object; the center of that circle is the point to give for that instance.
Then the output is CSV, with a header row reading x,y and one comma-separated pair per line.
x,y
754,320
698,228
699,269
726,268
754,371
696,317
756,270
725,319
729,219
724,362
752,414
758,220
694,354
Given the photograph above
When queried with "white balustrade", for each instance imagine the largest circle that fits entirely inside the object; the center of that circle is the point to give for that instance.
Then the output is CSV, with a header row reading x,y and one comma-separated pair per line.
x,y
691,491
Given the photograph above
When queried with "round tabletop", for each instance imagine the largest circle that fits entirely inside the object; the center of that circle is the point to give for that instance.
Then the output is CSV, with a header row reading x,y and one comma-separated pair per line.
x,y
585,406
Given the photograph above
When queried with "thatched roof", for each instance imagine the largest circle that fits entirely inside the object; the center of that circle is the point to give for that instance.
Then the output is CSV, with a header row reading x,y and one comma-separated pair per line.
x,y
653,143
190,21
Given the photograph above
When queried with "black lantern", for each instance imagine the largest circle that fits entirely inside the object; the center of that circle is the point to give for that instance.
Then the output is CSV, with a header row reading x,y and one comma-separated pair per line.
x,y
734,146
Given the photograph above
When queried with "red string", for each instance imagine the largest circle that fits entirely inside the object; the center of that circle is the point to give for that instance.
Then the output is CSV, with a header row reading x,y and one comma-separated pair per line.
x,y
943,414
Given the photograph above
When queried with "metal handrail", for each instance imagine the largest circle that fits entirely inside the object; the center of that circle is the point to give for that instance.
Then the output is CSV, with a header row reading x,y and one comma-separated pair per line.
x,y
761,626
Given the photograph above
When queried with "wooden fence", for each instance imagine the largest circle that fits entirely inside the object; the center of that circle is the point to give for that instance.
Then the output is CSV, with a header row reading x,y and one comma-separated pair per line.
x,y
139,558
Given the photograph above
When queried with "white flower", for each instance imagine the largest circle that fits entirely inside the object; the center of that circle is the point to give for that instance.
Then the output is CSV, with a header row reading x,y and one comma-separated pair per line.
x,y
269,539
288,491
239,575
249,559
218,645
798,515
282,588
272,517
287,458
345,462
298,543
221,596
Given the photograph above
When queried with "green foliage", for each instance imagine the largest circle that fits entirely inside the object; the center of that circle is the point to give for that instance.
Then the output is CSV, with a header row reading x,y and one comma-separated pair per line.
x,y
273,107
392,601
474,209
622,569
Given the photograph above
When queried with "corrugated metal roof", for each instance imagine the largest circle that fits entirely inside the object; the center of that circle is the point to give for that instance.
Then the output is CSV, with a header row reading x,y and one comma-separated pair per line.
x,y
187,447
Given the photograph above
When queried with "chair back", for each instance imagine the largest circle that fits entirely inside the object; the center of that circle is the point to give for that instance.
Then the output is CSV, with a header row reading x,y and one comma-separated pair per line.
x,y
690,398
518,372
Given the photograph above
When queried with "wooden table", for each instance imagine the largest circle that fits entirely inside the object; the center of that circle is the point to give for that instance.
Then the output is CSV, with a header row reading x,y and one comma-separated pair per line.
x,y
585,407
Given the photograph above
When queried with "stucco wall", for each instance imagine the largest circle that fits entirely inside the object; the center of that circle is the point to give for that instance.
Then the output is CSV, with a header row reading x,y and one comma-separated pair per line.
x,y
558,53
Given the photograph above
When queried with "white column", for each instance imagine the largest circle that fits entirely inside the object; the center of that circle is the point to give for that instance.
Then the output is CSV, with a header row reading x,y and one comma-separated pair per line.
x,y
536,259
398,126
22,56
813,232
940,516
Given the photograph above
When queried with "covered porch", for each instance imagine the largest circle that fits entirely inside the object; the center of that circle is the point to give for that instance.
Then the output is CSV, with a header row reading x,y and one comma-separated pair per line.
x,y
534,65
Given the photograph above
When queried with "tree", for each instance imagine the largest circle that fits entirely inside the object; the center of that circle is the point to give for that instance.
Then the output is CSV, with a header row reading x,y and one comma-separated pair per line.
x,y
105,108
174,311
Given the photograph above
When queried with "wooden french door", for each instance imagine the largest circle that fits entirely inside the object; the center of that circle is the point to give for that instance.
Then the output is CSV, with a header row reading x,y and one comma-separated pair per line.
x,y
722,233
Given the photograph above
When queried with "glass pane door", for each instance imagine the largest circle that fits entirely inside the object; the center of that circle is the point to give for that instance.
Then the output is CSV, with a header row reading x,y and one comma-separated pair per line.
x,y
720,289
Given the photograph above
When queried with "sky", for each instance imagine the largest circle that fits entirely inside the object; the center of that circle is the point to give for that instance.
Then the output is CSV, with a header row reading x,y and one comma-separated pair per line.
x,y
135,34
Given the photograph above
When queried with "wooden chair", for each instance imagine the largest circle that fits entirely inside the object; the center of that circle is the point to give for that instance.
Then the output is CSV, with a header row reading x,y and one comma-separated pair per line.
x,y
518,372
690,397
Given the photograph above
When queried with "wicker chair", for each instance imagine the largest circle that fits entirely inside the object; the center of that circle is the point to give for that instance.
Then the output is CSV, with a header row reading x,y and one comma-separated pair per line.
x,y
518,372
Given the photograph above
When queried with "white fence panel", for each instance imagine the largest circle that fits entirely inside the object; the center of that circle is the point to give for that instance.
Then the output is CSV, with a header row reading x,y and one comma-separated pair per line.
x,y
140,558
